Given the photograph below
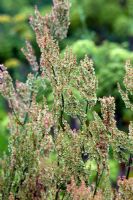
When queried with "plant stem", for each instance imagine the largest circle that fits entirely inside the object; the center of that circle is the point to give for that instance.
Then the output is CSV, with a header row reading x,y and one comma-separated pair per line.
x,y
57,192
98,179
86,110
62,112
129,166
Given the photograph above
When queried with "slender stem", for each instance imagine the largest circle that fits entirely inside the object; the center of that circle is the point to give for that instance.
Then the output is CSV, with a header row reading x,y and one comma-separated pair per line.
x,y
57,192
63,196
54,73
96,185
129,166
86,111
26,115
62,111
98,179
57,186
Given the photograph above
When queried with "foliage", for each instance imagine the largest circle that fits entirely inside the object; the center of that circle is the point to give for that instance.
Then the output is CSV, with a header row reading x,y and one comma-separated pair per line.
x,y
108,59
110,19
13,26
47,158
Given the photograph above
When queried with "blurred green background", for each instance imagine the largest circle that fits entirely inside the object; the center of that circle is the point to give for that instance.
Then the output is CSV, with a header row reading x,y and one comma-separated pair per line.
x,y
99,28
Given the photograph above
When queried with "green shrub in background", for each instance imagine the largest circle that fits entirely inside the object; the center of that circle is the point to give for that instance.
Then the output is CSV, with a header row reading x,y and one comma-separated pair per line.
x,y
13,24
111,19
108,59
89,20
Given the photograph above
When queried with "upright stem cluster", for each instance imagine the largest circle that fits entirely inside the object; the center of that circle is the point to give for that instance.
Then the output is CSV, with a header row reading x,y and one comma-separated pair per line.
x,y
47,159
